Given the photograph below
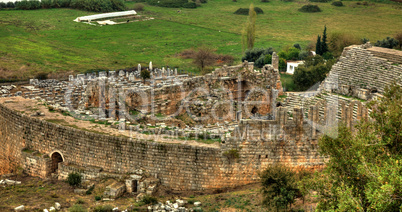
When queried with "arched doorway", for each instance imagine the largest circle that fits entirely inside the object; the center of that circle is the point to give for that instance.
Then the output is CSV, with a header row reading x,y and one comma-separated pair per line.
x,y
56,159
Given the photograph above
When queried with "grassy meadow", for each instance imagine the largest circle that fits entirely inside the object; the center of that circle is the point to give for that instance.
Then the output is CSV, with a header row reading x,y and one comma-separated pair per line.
x,y
49,41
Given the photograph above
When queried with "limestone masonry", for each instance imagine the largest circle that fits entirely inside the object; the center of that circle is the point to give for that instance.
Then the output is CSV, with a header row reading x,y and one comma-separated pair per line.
x,y
146,134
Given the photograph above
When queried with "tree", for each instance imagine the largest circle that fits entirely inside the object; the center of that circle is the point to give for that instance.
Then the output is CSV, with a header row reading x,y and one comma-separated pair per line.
x,y
248,37
398,37
387,43
145,74
204,57
312,71
279,187
363,172
318,46
324,46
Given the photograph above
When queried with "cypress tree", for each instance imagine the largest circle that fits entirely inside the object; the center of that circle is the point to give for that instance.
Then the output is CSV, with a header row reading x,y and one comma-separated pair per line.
x,y
324,46
318,46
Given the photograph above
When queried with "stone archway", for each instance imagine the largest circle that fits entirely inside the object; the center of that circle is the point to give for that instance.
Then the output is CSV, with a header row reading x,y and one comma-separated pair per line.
x,y
56,159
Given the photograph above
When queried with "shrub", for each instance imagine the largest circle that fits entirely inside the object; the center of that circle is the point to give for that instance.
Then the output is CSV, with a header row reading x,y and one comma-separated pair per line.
x,y
41,76
98,198
3,5
138,7
322,1
279,186
103,208
149,200
190,5
252,55
387,43
264,1
77,208
167,3
287,0
309,8
80,201
244,11
337,3
74,179
232,154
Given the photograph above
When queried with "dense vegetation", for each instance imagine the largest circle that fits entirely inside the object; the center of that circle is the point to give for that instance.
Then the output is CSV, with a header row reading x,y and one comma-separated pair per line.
x,y
88,5
364,169
310,8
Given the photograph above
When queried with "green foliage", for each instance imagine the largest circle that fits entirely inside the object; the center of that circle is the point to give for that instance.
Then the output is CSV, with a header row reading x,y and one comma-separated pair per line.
x,y
145,74
168,3
322,1
74,179
27,5
312,71
278,186
318,49
246,11
297,46
149,200
77,208
363,171
309,8
282,64
338,41
41,76
290,54
252,55
248,35
190,5
324,45
98,198
337,3
10,4
387,43
232,154
3,5
103,208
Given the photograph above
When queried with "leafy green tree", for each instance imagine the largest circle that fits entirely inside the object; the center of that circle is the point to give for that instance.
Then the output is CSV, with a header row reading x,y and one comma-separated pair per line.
x,y
248,37
318,48
279,187
312,71
145,74
363,172
324,45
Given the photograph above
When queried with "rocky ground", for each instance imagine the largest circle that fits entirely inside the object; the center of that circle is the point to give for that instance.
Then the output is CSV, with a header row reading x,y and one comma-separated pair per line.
x,y
37,194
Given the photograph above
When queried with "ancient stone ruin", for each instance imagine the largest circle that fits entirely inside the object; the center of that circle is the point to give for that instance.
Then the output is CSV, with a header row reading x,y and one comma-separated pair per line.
x,y
113,124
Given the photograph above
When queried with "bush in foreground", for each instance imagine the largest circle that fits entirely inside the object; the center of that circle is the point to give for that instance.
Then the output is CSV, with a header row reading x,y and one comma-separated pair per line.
x,y
310,8
74,179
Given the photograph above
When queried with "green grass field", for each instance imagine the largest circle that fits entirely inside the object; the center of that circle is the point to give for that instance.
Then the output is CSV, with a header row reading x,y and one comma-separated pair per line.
x,y
49,41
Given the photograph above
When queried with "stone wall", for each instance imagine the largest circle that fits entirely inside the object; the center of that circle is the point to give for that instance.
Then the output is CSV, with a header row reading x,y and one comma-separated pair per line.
x,y
177,166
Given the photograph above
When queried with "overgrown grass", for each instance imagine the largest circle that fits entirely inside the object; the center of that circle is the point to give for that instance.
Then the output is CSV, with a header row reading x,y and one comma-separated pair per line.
x,y
49,41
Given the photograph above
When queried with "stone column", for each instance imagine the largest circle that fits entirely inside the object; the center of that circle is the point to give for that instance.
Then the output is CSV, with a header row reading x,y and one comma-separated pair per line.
x,y
275,61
